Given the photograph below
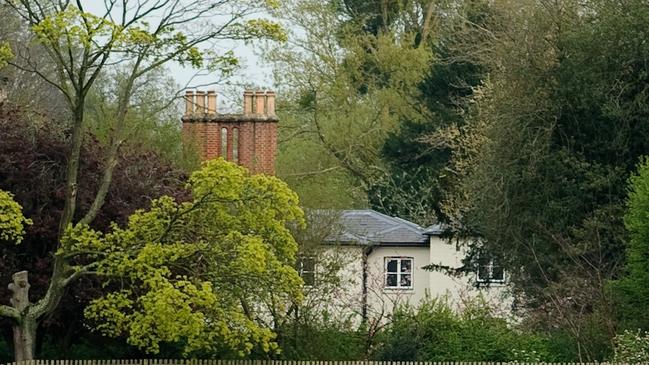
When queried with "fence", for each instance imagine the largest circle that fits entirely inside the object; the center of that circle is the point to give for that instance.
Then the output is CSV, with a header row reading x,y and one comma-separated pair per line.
x,y
276,362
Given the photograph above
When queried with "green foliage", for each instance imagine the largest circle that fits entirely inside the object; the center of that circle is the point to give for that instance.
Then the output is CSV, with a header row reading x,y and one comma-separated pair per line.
x,y
435,332
632,347
345,90
416,153
71,25
322,339
152,121
632,291
12,221
5,54
542,162
196,272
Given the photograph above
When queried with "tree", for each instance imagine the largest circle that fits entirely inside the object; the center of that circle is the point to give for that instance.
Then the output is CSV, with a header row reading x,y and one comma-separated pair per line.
x,y
417,155
192,270
32,162
631,289
345,91
550,140
81,46
197,270
12,225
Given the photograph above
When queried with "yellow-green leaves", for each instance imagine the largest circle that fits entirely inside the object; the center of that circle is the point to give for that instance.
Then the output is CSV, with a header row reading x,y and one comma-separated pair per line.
x,y
264,28
198,272
6,54
12,221
74,26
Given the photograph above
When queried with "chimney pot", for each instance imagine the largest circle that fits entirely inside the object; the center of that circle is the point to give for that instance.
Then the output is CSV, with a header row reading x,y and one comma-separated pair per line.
x,y
260,102
270,103
247,102
189,102
200,102
211,102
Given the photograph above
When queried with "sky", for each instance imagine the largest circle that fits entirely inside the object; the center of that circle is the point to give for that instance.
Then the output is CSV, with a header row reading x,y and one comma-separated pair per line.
x,y
253,71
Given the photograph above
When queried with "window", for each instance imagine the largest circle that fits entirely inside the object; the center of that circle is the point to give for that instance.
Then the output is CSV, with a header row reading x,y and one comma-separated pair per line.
x,y
235,145
490,272
306,268
224,143
398,272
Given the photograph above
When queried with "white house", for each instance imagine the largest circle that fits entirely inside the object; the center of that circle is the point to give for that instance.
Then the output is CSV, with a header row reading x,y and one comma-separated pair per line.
x,y
382,263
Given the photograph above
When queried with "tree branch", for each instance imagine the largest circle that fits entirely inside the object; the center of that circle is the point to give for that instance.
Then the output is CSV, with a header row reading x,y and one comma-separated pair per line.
x,y
9,312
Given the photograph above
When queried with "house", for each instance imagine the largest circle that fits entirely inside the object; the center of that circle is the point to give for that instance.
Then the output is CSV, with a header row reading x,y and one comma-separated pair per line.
x,y
386,261
382,261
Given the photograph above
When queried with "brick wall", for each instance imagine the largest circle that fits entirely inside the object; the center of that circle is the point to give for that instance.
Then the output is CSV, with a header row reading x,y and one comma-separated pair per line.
x,y
256,130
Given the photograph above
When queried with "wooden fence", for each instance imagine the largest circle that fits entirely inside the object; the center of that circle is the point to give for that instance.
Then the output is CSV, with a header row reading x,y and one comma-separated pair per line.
x,y
276,362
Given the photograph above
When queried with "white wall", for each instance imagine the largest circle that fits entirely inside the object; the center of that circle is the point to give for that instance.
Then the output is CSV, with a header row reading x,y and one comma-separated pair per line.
x,y
339,293
345,300
460,289
381,300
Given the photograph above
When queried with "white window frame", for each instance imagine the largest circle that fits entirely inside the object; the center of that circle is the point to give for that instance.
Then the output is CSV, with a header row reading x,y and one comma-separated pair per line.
x,y
399,273
490,280
301,271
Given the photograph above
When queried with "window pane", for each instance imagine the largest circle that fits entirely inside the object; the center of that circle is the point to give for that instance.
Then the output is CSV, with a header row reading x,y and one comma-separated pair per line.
x,y
392,265
224,143
309,278
406,265
497,273
483,273
391,280
308,264
406,280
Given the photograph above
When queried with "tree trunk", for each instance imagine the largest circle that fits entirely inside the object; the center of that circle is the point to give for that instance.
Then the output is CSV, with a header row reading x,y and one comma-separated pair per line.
x,y
24,339
25,327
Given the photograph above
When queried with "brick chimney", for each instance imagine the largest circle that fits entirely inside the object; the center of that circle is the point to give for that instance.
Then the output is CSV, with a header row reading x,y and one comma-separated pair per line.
x,y
249,139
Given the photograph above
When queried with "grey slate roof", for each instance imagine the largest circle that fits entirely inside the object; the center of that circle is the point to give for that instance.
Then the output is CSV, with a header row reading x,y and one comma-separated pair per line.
x,y
434,230
368,227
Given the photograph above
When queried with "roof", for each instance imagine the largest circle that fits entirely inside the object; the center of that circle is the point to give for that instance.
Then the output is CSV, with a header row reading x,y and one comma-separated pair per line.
x,y
435,230
368,227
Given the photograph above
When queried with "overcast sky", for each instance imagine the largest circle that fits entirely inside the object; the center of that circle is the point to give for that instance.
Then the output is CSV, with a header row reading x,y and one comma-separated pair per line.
x,y
253,71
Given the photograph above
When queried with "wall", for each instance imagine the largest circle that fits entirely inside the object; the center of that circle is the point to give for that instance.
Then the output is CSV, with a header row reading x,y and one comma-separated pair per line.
x,y
347,300
459,289
338,292
381,300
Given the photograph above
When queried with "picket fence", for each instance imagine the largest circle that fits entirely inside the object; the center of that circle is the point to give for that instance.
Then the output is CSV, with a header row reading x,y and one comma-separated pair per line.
x,y
278,362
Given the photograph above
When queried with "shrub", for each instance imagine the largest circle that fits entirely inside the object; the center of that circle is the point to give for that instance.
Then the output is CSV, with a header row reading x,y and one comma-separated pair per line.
x,y
435,332
632,347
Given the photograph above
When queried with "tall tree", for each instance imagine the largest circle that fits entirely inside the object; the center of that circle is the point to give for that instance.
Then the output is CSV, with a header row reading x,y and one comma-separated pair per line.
x,y
553,135
418,159
633,294
33,165
80,46
346,91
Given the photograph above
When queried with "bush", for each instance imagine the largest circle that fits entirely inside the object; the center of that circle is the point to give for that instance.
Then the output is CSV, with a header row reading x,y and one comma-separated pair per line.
x,y
435,332
322,339
632,347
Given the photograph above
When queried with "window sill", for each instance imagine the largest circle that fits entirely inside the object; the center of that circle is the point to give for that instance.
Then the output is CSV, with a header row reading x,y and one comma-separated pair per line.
x,y
396,289
487,284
